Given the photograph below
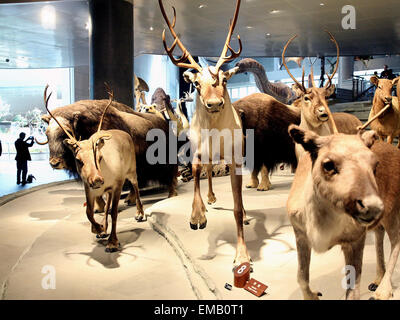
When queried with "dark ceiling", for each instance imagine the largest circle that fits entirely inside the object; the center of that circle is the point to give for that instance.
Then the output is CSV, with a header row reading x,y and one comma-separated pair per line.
x,y
203,26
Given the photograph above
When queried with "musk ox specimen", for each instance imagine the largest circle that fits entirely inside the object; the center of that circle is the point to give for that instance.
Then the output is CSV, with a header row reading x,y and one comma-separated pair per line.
x,y
345,185
82,118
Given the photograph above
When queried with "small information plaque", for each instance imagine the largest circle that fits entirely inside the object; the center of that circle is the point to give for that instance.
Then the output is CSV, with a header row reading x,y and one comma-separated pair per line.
x,y
255,287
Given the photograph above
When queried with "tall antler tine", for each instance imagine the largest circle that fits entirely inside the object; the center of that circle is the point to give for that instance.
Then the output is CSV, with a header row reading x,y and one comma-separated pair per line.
x,y
110,100
186,60
234,54
332,38
46,102
302,88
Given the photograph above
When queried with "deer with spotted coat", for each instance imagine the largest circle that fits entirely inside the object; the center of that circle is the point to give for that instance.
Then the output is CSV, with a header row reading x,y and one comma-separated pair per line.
x,y
214,111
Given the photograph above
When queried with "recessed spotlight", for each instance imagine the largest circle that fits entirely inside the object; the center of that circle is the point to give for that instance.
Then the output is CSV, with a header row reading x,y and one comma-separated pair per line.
x,y
151,28
274,11
268,34
322,4
202,6
249,27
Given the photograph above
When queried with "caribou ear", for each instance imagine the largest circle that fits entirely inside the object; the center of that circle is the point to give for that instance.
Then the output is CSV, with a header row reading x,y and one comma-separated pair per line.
x,y
331,90
310,141
368,137
46,118
374,80
189,76
231,72
395,81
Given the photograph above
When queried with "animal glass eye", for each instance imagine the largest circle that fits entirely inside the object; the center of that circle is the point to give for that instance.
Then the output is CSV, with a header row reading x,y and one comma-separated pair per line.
x,y
306,98
197,84
329,167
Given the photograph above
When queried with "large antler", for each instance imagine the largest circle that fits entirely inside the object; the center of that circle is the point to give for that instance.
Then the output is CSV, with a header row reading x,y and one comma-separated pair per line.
x,y
337,59
301,86
234,54
186,60
110,100
46,102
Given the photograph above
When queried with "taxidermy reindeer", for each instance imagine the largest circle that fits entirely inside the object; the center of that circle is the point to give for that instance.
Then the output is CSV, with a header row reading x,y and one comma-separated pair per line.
x,y
213,111
104,161
313,109
387,124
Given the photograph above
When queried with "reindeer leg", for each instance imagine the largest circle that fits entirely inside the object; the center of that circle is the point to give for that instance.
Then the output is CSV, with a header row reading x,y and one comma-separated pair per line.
x,y
198,208
380,257
210,196
96,228
139,207
242,254
99,204
303,269
104,223
112,244
131,198
253,179
384,290
265,184
172,188
353,254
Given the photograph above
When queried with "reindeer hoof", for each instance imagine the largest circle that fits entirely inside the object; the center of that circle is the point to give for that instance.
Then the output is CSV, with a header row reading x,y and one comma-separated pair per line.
x,y
101,236
372,298
372,287
110,250
193,226
139,218
203,225
319,294
246,222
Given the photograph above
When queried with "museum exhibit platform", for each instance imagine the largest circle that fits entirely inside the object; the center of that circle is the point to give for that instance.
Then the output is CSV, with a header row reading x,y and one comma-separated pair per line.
x,y
161,258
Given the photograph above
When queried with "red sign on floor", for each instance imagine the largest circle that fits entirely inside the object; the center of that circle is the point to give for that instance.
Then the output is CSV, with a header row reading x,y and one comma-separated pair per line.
x,y
255,287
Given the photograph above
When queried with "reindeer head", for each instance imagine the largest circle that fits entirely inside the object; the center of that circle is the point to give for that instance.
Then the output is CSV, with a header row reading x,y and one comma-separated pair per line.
x,y
343,172
210,82
88,157
312,100
383,92
87,152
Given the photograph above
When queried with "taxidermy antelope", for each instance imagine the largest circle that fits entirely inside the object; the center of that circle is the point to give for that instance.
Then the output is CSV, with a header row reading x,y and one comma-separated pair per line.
x,y
213,111
104,161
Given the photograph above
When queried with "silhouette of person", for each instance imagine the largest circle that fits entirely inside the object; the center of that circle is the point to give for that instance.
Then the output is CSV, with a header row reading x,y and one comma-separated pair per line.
x,y
387,73
22,157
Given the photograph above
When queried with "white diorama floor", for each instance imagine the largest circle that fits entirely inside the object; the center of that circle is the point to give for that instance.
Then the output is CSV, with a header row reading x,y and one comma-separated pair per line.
x,y
161,258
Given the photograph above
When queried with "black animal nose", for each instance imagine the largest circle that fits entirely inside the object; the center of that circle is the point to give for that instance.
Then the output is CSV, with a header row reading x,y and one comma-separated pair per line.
x,y
54,163
388,99
369,208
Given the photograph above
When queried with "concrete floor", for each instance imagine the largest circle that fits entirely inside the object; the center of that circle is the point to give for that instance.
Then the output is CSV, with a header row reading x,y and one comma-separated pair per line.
x,y
39,167
161,258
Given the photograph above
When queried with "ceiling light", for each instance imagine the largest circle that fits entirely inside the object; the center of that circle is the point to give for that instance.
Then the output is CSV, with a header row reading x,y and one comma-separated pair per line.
x,y
268,34
48,17
249,27
151,28
322,4
202,6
